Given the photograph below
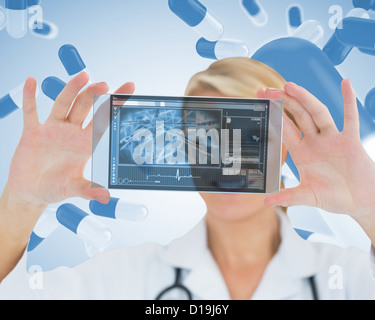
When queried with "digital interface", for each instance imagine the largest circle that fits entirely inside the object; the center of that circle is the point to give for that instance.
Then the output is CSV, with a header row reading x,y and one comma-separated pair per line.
x,y
188,144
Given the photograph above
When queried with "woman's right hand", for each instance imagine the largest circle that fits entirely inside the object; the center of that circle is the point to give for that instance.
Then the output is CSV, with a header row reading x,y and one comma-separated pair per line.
x,y
49,161
48,164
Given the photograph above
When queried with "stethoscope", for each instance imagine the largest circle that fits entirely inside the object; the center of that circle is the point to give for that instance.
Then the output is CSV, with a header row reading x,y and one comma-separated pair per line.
x,y
177,290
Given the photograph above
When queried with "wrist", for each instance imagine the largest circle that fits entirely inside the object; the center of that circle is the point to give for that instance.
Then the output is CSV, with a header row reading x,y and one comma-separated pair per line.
x,y
18,216
18,202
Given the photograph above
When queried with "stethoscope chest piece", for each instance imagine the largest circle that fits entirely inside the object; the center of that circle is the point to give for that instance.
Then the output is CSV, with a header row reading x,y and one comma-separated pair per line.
x,y
177,291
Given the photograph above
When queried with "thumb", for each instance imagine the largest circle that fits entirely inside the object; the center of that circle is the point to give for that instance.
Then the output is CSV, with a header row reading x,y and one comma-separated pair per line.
x,y
299,196
91,191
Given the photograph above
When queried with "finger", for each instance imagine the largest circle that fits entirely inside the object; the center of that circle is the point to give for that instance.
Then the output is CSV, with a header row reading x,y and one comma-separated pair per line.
x,y
127,88
302,117
84,103
318,111
260,94
299,196
30,115
292,136
351,117
67,96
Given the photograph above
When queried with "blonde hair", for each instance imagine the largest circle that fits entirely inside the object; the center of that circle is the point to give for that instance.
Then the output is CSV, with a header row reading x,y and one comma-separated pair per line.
x,y
235,77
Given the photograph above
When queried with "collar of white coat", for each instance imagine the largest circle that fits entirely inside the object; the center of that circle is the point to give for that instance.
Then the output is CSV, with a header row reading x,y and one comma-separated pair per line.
x,y
294,262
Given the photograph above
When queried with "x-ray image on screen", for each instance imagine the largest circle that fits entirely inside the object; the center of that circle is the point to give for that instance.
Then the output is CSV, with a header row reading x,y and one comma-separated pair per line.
x,y
158,122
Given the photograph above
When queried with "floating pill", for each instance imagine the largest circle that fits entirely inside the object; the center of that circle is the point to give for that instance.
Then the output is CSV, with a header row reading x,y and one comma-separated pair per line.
x,y
31,3
303,63
85,226
357,32
47,30
370,102
52,87
295,17
224,48
337,51
255,11
310,30
71,59
12,101
3,18
365,4
117,209
16,11
46,224
196,15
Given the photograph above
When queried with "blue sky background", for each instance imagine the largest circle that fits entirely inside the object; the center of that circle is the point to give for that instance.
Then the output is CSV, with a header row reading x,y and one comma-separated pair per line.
x,y
144,42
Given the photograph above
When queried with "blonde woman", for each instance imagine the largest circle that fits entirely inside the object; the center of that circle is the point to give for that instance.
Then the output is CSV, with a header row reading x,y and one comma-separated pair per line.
x,y
244,248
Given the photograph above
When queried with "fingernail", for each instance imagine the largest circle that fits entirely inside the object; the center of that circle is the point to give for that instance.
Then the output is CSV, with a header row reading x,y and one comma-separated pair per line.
x,y
98,84
290,85
103,200
274,90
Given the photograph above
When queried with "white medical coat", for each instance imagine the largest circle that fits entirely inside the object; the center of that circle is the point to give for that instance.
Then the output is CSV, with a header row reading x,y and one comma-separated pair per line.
x,y
143,272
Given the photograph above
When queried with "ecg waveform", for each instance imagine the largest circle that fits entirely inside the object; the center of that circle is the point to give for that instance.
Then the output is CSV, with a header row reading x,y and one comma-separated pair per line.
x,y
178,177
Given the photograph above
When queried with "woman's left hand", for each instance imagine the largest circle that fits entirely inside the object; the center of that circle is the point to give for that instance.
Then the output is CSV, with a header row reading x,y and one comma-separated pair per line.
x,y
336,173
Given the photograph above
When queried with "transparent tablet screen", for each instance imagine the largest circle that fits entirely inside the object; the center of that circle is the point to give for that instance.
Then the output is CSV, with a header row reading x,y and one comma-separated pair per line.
x,y
187,144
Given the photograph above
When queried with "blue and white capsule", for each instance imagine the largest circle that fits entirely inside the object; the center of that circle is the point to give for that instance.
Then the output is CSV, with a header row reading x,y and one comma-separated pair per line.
x,y
71,60
302,62
196,15
3,18
45,226
12,101
255,12
120,210
358,33
52,87
85,226
224,48
16,11
294,17
310,30
336,50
